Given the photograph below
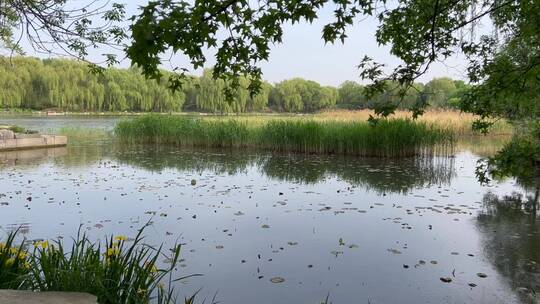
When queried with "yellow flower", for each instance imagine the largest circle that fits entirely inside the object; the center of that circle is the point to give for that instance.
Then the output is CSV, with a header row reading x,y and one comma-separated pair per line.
x,y
43,244
121,238
26,265
22,255
112,252
140,291
10,261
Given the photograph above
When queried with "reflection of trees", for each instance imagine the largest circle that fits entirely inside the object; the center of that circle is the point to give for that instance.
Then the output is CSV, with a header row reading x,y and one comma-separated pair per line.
x,y
511,238
82,155
383,175
157,158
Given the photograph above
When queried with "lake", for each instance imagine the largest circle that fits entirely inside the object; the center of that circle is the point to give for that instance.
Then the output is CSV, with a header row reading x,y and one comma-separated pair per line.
x,y
357,230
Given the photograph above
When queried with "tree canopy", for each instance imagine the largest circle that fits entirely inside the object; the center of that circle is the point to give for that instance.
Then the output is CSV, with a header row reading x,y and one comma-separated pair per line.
x,y
31,83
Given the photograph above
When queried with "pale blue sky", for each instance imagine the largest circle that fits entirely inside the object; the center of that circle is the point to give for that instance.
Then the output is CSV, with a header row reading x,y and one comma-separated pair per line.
x,y
304,54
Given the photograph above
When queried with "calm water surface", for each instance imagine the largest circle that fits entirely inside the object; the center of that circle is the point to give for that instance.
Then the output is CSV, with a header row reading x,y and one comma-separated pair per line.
x,y
358,230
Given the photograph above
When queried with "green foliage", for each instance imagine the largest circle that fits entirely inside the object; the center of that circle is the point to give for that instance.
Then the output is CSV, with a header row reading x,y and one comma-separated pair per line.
x,y
67,85
118,271
299,95
17,129
519,158
78,134
390,138
439,90
351,95
51,25
29,83
14,264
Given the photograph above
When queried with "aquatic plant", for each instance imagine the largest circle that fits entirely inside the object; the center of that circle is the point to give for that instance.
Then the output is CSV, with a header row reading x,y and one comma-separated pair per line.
x,y
389,138
459,123
78,134
119,271
14,264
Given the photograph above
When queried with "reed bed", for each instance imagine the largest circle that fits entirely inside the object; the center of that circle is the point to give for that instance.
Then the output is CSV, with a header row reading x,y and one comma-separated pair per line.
x,y
458,122
389,138
78,134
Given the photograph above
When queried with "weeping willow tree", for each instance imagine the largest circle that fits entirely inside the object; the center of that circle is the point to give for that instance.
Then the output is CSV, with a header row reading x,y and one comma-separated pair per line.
x,y
31,83
300,95
210,96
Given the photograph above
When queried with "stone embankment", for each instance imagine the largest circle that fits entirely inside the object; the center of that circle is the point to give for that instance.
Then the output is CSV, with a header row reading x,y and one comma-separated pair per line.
x,y
10,140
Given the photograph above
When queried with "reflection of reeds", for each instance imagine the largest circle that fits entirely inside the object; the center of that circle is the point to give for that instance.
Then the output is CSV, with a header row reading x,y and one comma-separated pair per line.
x,y
376,174
389,138
480,145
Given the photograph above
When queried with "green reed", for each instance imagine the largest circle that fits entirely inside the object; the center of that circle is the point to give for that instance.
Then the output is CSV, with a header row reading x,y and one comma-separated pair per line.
x,y
78,134
388,138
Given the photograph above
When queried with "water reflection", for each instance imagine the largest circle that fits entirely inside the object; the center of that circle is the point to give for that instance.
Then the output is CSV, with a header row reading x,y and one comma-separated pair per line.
x,y
379,175
320,222
510,228
31,157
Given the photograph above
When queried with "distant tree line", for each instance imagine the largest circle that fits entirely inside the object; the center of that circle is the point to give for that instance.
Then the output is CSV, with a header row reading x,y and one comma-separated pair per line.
x,y
30,83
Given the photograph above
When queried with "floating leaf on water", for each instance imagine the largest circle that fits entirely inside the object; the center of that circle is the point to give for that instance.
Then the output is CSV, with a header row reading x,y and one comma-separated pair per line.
x,y
481,275
265,226
446,279
277,280
394,251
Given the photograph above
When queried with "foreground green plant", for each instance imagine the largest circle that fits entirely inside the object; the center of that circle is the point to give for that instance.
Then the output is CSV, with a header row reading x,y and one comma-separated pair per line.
x,y
14,264
119,271
519,158
389,138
